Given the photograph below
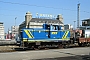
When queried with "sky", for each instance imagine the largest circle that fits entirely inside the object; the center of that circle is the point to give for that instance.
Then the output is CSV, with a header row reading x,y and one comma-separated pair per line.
x,y
10,9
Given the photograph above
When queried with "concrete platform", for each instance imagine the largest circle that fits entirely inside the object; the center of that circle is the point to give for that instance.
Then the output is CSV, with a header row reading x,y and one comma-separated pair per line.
x,y
7,42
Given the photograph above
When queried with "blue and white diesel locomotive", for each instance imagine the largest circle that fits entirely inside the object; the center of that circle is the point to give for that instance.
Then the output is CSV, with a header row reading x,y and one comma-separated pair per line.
x,y
49,35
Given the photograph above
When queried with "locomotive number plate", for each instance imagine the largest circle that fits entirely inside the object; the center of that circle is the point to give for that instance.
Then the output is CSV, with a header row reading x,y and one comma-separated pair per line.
x,y
54,32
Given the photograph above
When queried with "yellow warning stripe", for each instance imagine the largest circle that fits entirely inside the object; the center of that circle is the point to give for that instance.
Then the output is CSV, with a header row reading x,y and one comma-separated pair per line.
x,y
26,31
25,40
30,33
65,34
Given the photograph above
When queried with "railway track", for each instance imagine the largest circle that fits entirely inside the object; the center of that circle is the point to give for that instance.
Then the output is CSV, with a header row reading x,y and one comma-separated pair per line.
x,y
17,48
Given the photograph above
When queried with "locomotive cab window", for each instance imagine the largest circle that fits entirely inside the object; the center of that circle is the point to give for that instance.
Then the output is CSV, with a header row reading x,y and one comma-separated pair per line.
x,y
55,27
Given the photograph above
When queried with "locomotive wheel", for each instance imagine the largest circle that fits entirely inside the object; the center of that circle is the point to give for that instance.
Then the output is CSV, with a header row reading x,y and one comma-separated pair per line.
x,y
60,46
65,46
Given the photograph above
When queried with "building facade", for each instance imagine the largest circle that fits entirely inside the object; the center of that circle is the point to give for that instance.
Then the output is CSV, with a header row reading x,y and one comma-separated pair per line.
x,y
14,30
85,24
68,27
1,30
38,22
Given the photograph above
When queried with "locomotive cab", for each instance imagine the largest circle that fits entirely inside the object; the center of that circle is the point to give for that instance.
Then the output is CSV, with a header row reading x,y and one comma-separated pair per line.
x,y
54,31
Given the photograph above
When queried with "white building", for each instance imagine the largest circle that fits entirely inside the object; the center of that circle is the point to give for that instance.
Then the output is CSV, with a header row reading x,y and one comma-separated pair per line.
x,y
85,24
1,30
68,26
14,30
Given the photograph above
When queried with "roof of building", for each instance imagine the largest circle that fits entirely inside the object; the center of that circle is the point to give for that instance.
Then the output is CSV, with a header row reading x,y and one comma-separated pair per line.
x,y
86,19
42,20
1,23
22,23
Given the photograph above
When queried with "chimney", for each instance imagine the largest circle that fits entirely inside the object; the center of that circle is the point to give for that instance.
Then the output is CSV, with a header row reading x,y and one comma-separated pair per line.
x,y
28,17
59,17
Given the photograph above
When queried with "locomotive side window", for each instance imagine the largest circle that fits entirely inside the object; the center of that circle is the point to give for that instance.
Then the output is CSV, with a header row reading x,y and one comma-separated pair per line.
x,y
55,27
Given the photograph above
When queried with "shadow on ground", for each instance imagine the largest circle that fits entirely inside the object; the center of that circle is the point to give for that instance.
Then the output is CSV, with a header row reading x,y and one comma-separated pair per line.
x,y
78,57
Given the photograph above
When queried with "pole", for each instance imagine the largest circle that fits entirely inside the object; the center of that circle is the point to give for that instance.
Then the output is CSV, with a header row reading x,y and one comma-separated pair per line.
x,y
74,33
78,8
15,28
74,25
15,20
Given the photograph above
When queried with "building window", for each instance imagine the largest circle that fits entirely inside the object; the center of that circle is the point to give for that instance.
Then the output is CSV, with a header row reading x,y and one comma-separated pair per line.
x,y
39,21
36,21
84,23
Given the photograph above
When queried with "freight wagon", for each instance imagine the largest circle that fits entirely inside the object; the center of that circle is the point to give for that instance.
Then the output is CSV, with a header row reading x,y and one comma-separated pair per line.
x,y
83,37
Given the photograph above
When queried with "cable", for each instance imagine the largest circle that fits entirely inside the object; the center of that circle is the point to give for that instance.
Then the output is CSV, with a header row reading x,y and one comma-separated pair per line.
x,y
11,10
37,6
10,15
42,6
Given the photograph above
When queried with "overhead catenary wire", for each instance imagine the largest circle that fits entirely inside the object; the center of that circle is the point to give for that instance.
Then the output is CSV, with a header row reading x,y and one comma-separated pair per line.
x,y
41,6
33,5
11,10
11,15
36,5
